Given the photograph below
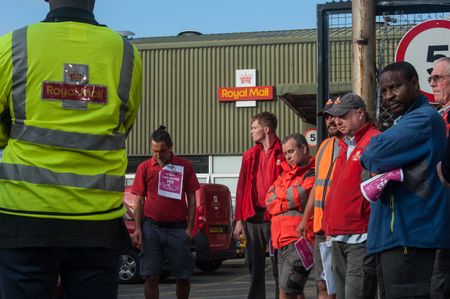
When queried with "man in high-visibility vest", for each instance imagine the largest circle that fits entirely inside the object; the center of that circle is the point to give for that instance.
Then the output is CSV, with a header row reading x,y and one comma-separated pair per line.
x,y
440,84
285,202
72,88
325,158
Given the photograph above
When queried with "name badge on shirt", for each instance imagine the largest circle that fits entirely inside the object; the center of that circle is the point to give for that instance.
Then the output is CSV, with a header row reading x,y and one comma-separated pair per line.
x,y
170,182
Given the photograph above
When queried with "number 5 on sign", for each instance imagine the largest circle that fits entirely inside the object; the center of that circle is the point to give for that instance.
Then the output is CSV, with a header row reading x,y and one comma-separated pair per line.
x,y
422,45
311,137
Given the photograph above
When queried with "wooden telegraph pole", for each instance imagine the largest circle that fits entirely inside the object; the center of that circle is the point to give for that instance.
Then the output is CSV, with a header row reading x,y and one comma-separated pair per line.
x,y
363,46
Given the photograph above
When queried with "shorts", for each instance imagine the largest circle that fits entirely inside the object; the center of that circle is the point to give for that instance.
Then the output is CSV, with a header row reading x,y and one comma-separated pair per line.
x,y
292,275
159,244
318,267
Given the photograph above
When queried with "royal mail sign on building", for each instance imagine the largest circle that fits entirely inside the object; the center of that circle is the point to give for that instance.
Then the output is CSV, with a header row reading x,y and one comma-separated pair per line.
x,y
225,94
246,93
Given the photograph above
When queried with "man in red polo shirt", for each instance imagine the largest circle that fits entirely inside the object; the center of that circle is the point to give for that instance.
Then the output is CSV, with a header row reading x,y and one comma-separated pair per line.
x,y
164,221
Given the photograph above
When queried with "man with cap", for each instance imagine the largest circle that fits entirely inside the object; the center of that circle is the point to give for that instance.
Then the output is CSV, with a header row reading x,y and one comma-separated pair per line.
x,y
71,88
325,161
347,212
410,219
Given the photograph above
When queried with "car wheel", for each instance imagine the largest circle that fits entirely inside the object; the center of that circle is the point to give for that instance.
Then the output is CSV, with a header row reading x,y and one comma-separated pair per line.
x,y
129,268
208,266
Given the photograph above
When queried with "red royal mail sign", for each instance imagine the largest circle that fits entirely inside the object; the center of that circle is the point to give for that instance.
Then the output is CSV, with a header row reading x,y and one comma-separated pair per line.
x,y
227,94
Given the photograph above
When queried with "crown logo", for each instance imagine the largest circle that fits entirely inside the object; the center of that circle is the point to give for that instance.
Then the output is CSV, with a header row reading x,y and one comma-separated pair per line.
x,y
245,78
75,76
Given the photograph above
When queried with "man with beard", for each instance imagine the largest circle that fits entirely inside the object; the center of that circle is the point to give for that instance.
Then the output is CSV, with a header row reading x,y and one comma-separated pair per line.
x,y
410,220
325,158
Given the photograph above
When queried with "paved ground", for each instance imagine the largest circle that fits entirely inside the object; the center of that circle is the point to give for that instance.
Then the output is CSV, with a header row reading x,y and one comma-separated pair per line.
x,y
231,281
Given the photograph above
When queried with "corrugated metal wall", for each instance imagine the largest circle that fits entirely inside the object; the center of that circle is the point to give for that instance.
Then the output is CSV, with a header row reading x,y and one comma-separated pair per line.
x,y
180,87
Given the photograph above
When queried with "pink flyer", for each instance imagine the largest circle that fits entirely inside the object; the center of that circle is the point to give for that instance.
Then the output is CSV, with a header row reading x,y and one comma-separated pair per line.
x,y
171,181
372,188
304,250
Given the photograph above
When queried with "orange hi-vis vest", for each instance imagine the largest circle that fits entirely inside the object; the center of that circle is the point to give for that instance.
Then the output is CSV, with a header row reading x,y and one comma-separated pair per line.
x,y
286,201
325,158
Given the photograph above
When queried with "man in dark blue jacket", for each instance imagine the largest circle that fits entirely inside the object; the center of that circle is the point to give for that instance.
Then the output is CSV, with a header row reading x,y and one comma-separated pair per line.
x,y
411,219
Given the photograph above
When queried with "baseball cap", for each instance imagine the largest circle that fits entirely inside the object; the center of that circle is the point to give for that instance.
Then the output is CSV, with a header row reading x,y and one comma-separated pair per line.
x,y
327,106
345,103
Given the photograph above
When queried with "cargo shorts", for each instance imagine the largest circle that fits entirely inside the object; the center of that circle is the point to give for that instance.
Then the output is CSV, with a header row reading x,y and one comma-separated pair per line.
x,y
292,275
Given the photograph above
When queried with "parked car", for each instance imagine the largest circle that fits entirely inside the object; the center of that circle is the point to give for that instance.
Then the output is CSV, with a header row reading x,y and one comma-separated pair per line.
x,y
129,267
212,234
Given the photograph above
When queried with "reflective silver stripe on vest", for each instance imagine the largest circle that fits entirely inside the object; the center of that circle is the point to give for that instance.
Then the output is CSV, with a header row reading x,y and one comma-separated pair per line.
x,y
291,213
303,195
319,204
320,154
126,74
58,138
68,139
271,198
37,175
19,56
290,197
322,182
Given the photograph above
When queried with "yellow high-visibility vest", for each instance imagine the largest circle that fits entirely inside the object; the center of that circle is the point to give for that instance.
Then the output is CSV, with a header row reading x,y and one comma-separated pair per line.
x,y
73,91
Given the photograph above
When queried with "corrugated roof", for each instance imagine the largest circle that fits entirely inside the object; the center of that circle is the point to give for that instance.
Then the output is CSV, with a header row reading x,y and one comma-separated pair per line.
x,y
263,37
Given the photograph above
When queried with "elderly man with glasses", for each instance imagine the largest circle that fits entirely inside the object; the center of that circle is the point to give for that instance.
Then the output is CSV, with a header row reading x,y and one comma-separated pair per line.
x,y
440,84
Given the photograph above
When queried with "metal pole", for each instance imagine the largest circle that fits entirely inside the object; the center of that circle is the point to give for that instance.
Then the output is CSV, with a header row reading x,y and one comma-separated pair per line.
x,y
322,71
363,45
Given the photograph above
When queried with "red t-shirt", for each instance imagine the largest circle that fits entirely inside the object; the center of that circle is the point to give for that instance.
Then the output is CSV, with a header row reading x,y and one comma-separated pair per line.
x,y
162,208
264,181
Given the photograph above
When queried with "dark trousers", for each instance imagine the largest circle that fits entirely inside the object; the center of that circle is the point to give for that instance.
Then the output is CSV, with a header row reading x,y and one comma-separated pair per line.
x,y
33,272
440,281
258,236
405,272
354,271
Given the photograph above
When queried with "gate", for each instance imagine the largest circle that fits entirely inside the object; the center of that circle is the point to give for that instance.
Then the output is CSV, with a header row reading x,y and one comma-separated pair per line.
x,y
393,20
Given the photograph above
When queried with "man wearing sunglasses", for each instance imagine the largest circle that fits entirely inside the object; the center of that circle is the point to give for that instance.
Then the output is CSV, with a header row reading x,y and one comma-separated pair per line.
x,y
440,84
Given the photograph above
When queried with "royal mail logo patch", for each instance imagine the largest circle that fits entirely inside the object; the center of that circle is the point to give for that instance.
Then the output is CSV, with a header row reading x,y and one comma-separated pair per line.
x,y
357,155
75,91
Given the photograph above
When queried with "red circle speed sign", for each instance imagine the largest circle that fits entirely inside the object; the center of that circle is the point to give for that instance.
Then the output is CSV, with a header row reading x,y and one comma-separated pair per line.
x,y
422,45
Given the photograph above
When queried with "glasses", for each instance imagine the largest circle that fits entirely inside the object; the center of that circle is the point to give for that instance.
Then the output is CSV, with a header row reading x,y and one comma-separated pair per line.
x,y
437,78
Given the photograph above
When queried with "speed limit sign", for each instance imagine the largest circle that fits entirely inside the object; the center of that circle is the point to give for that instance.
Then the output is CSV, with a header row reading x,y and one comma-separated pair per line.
x,y
311,137
422,45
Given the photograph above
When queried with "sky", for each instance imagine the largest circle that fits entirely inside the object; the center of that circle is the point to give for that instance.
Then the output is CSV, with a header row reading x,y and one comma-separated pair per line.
x,y
150,18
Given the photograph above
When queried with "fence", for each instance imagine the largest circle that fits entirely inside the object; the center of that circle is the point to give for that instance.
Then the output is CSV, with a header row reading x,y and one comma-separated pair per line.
x,y
393,20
